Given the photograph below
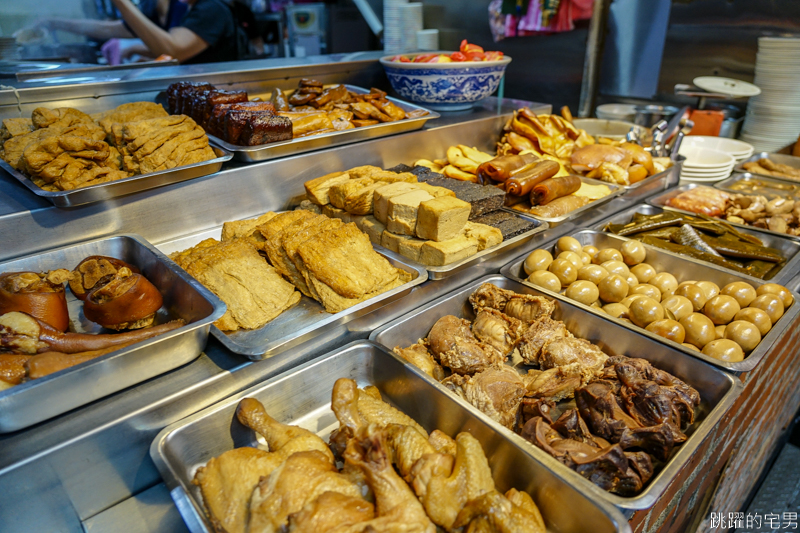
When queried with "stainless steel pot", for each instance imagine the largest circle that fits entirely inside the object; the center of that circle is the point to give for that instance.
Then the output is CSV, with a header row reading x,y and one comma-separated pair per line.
x,y
648,115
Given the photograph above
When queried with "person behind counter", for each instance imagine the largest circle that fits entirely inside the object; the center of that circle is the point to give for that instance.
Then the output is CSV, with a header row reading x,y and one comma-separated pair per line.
x,y
207,33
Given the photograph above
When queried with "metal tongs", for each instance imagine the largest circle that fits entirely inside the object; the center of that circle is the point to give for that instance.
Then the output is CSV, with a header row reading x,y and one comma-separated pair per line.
x,y
686,127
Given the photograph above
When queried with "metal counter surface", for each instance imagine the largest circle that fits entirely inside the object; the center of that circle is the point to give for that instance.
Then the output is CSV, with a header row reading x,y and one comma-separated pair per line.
x,y
238,191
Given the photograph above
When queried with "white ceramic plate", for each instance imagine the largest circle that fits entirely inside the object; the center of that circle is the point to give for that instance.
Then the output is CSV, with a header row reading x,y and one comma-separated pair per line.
x,y
718,84
705,157
723,144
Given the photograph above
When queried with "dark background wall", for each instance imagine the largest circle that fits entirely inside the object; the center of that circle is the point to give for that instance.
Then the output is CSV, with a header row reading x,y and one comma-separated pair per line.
x,y
704,37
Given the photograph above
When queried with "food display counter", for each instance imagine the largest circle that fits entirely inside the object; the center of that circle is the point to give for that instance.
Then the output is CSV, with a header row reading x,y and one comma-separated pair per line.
x,y
91,469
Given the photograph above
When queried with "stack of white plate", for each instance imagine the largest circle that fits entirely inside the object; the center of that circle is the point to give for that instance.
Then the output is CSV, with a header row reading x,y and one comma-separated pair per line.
x,y
393,26
773,117
738,149
704,165
411,20
8,48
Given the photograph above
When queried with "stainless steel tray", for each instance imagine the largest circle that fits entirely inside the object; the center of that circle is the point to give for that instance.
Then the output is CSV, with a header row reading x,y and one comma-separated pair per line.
x,y
717,389
37,400
683,268
264,152
657,182
781,159
305,320
113,189
446,271
581,213
726,184
302,397
660,200
789,248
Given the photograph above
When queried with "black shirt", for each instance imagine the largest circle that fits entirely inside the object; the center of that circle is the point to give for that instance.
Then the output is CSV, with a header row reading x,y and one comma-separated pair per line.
x,y
212,21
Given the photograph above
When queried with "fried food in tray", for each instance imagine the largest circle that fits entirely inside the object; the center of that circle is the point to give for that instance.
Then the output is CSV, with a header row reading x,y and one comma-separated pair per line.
x,y
262,267
618,162
708,240
64,149
612,419
380,471
778,214
35,340
311,109
767,167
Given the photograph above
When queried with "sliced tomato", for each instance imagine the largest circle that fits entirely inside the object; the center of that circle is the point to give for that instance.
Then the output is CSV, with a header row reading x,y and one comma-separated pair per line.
x,y
468,47
401,59
475,56
425,58
493,56
441,59
458,56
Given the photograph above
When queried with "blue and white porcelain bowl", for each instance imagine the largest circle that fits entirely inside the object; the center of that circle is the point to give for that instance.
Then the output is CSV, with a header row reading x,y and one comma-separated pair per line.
x,y
445,86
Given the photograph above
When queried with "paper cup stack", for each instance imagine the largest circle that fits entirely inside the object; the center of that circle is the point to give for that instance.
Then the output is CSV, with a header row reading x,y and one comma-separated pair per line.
x,y
428,40
411,21
393,26
704,165
773,117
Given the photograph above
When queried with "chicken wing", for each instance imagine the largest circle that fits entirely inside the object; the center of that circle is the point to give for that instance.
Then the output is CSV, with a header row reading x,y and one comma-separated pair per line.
x,y
300,480
419,356
443,493
513,513
226,482
331,512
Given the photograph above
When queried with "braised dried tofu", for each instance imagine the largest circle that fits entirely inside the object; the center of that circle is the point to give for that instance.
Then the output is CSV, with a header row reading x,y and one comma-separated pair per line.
x,y
441,219
445,252
391,241
237,229
317,189
373,228
402,214
383,194
487,236
252,289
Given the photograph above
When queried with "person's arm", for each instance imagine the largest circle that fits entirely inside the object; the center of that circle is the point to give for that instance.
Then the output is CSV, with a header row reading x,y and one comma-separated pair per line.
x,y
180,43
100,30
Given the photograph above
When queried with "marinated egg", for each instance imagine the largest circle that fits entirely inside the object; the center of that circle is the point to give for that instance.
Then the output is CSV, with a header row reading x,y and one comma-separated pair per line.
x,y
720,331
721,309
644,311
699,329
591,250
669,329
616,267
583,291
633,252
607,254
648,290
694,294
779,290
643,272
628,300
613,288
770,304
742,292
572,257
744,334
665,282
593,273
757,317
568,244
546,280
537,260
724,350
565,271
616,310
709,287
680,306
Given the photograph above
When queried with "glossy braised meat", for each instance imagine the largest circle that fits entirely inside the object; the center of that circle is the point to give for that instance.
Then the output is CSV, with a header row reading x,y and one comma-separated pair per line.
x,y
540,332
497,392
419,356
523,307
554,384
451,341
263,128
497,330
609,467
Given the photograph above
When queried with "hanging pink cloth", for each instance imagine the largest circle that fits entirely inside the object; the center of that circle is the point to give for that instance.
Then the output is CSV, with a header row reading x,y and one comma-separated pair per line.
x,y
531,23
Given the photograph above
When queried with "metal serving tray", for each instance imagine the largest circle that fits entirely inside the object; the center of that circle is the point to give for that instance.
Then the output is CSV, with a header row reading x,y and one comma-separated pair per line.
x,y
37,400
581,213
305,320
657,182
661,200
446,271
717,389
683,268
264,152
726,184
113,189
781,159
789,248
302,397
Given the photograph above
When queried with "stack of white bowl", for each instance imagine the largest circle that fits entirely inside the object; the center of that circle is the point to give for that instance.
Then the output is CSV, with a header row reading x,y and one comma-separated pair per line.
x,y
704,165
740,150
773,117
